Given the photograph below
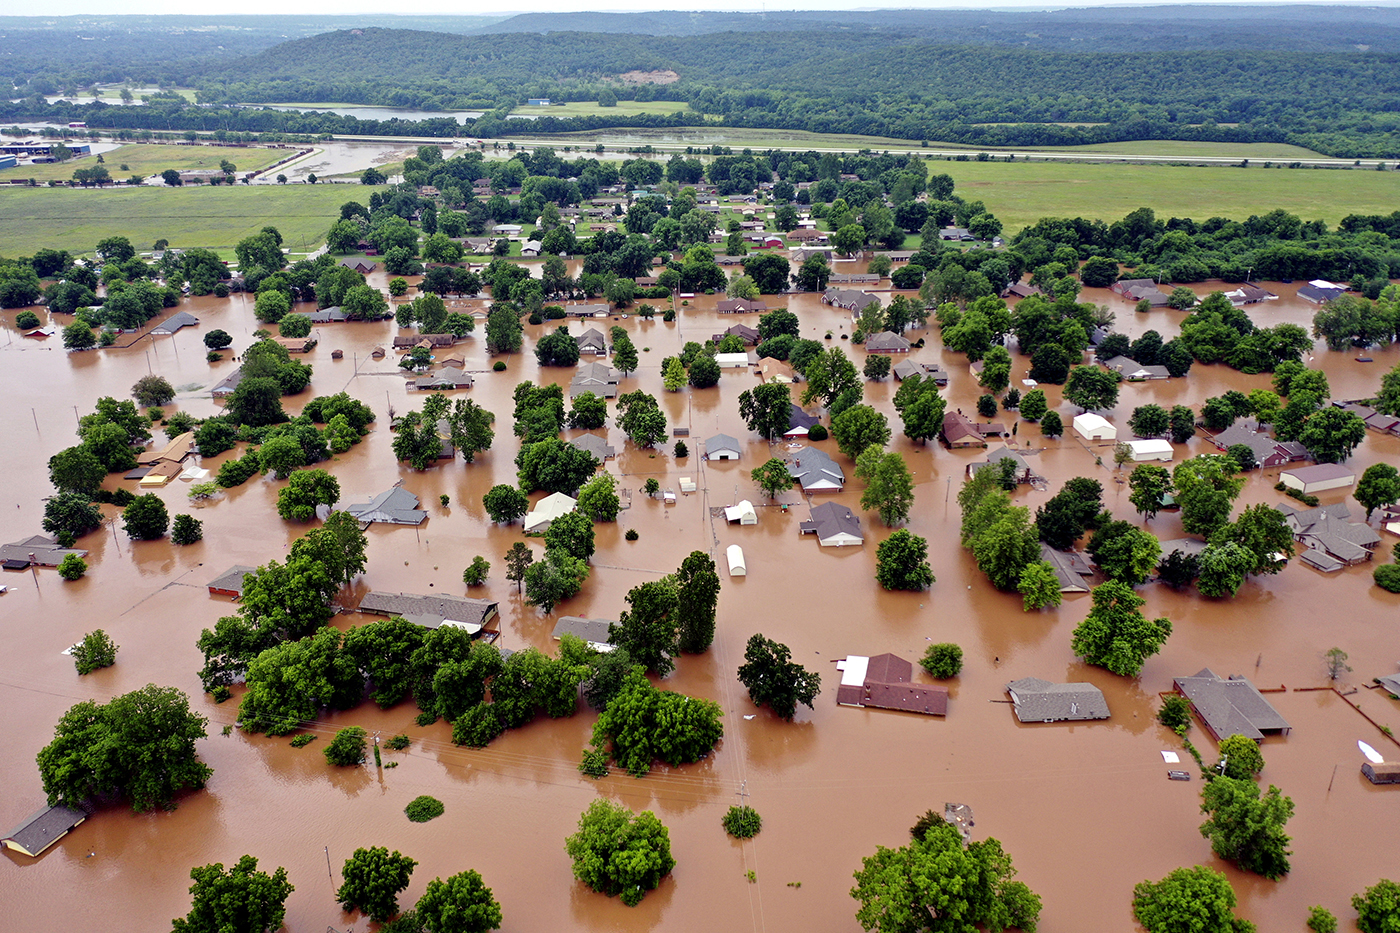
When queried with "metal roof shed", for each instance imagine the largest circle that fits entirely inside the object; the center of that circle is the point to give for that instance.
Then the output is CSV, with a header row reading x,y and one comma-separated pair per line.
x,y
735,556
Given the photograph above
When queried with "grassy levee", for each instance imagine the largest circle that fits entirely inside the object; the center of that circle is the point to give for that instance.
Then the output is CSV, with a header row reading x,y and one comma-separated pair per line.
x,y
214,217
147,159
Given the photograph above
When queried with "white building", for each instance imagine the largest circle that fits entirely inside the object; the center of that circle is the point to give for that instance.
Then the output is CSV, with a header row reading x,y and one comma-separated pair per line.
x,y
1094,427
1152,449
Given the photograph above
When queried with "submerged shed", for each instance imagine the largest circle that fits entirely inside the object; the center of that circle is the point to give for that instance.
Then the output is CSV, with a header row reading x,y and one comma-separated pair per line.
x,y
735,556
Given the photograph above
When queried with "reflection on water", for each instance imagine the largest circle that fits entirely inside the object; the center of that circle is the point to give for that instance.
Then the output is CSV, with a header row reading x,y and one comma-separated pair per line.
x,y
1069,802
378,113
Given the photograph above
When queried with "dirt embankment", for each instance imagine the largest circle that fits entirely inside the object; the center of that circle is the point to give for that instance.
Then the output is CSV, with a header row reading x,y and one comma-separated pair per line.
x,y
648,77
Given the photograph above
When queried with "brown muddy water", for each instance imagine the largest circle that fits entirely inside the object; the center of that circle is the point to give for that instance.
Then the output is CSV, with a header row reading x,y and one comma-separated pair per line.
x,y
1085,810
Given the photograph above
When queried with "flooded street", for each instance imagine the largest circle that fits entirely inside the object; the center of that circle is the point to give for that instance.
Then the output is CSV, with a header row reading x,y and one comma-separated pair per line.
x,y
1085,810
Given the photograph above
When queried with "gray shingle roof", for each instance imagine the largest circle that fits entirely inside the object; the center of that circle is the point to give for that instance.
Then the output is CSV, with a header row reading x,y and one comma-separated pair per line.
x,y
396,506
43,828
811,466
592,631
46,551
721,442
1037,700
232,578
1230,706
418,608
595,445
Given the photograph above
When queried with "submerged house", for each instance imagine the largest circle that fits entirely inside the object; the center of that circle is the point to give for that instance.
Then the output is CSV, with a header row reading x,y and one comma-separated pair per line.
x,y
38,550
553,506
1071,568
42,829
230,582
593,632
1036,700
393,506
432,611
882,682
1231,706
834,524
815,471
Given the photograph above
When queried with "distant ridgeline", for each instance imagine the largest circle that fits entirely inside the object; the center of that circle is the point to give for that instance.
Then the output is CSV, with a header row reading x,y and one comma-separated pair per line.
x,y
1327,78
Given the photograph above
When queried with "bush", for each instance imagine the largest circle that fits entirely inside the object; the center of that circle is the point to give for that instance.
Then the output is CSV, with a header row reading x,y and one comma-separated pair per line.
x,y
96,650
26,320
631,534
152,390
213,356
186,530
303,740
424,808
347,748
817,432
399,742
72,567
1175,714
594,763
943,661
1321,920
681,450
1387,577
221,693
156,415
499,366
742,822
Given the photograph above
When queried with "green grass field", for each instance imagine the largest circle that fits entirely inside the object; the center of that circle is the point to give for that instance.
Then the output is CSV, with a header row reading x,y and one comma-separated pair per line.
x,y
1020,193
217,218
1194,150
590,108
146,159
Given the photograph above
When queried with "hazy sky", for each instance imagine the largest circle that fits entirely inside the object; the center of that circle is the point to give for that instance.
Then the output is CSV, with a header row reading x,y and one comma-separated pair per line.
x,y
408,7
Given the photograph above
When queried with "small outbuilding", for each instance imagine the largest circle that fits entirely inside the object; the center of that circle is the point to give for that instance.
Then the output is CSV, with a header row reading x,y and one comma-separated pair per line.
x,y
1094,427
1319,477
732,360
722,447
743,513
735,555
230,582
1152,449
1385,773
42,829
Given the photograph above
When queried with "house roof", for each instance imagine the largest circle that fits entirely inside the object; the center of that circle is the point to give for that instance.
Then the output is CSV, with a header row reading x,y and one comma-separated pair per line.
x,y
42,828
1391,682
797,418
595,445
323,315
1037,700
882,682
737,513
886,341
552,506
232,578
811,467
911,367
45,550
831,520
230,382
722,442
959,429
177,449
176,321
1230,706
770,370
431,611
1320,472
1070,568
590,339
448,378
395,505
593,631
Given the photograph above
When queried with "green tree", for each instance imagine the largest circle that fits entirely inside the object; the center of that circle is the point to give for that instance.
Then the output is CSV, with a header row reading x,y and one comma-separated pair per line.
x,y
697,598
1039,586
70,515
1188,900
1378,906
647,630
942,661
1263,532
1115,635
1181,424
939,882
642,724
766,409
290,683
1091,387
72,567
338,546
282,455
95,651
518,560
460,904
625,356
1206,486
1246,827
186,530
1050,424
1222,568
828,373
588,412
1331,434
384,651
243,900
1070,512
641,419
1006,547
1033,405
1150,486
146,519
598,499
1125,553
76,470
774,679
373,878
673,374
889,486
901,562
1150,421
617,853
773,477
140,746
1321,920
1240,758
1379,486
475,574
857,428
305,490
505,504
152,390
79,336
704,371
554,579
571,533
877,367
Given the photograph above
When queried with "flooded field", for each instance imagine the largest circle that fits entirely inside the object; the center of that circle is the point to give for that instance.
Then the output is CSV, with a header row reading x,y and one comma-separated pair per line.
x,y
1085,810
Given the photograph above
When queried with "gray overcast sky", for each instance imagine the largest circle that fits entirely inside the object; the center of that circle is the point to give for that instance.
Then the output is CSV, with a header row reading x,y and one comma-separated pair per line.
x,y
408,7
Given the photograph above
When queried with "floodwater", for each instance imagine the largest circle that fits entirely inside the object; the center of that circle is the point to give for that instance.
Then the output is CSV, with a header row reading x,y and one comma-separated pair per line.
x,y
338,158
1085,810
376,113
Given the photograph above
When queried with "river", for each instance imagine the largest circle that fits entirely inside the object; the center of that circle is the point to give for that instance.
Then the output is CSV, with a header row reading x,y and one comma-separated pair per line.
x,y
1085,810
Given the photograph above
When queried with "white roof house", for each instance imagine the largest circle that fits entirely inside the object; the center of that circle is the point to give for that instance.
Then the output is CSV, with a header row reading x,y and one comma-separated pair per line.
x,y
743,513
1318,478
737,566
552,506
732,360
1152,449
1094,427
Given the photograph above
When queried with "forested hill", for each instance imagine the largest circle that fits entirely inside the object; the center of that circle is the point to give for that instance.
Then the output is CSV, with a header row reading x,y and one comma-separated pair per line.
x,y
1294,27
